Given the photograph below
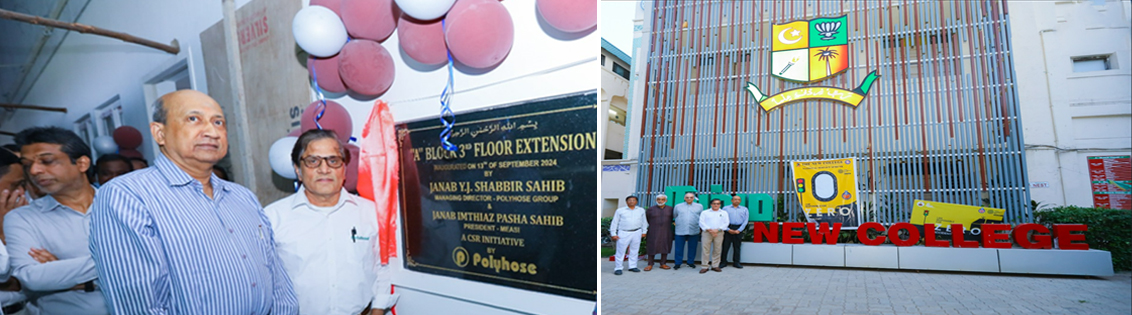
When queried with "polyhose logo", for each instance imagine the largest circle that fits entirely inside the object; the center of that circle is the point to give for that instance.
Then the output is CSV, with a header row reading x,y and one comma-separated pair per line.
x,y
808,51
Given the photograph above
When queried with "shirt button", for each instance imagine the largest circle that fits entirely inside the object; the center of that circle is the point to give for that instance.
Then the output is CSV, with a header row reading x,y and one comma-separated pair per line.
x,y
231,231
244,256
253,284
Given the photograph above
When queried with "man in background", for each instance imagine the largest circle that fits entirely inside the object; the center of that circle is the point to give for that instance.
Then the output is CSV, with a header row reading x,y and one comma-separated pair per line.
x,y
174,238
326,237
12,183
139,163
110,166
11,197
47,239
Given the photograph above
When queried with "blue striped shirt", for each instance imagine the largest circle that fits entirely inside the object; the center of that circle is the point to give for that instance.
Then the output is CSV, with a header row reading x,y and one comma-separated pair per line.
x,y
161,246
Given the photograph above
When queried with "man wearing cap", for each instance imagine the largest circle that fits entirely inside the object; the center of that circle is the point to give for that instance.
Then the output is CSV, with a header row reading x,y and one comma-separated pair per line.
x,y
660,240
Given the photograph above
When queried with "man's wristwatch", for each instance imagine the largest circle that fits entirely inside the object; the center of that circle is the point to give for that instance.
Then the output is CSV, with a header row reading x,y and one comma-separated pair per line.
x,y
88,286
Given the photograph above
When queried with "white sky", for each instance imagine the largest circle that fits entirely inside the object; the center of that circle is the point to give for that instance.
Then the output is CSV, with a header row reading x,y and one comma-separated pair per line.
x,y
617,23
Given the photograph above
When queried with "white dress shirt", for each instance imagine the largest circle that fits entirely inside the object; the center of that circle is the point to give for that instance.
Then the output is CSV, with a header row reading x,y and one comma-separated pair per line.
x,y
714,219
331,254
629,219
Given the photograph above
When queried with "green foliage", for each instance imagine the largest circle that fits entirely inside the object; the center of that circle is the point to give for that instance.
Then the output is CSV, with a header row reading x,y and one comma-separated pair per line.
x,y
1108,229
605,231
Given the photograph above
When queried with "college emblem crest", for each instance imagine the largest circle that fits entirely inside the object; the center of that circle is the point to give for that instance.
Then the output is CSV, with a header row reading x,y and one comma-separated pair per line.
x,y
808,51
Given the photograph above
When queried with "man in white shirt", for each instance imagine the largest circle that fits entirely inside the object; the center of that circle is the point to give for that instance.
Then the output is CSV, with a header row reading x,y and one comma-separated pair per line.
x,y
713,223
629,225
326,237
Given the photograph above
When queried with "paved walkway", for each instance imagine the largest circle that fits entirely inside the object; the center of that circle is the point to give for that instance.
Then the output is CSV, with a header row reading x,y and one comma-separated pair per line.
x,y
764,289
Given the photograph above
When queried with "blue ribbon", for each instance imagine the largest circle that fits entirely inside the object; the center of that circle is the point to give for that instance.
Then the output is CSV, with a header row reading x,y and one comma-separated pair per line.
x,y
445,110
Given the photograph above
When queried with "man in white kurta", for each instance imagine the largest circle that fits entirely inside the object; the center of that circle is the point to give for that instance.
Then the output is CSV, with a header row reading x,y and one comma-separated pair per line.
x,y
628,226
327,237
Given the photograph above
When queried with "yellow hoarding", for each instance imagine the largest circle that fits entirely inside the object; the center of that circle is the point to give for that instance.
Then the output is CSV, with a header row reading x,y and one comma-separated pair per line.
x,y
827,190
943,215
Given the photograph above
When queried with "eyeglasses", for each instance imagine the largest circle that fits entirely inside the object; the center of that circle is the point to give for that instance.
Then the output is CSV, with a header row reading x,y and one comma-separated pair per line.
x,y
316,161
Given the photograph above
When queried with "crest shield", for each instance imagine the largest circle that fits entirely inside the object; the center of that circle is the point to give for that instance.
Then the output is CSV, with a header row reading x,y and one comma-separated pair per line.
x,y
808,51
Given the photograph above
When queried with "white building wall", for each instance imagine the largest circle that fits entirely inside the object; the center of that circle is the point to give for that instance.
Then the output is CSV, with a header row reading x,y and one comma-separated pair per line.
x,y
1070,116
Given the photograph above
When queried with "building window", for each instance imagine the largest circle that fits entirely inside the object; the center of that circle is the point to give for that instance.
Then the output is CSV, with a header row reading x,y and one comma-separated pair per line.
x,y
618,69
1091,63
617,115
602,60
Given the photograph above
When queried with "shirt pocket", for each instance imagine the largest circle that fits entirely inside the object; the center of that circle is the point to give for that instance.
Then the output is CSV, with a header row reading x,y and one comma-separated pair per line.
x,y
363,245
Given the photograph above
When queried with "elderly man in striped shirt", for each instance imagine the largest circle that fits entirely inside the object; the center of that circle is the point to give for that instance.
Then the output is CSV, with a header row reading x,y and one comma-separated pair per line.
x,y
174,238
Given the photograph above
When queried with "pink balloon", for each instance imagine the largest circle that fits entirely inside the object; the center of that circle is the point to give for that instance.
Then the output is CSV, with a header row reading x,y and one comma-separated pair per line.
x,y
352,168
326,71
480,32
336,118
568,15
127,137
422,40
369,19
366,67
333,5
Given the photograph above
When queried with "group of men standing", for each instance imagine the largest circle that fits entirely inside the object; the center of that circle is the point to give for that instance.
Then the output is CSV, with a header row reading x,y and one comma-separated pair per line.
x,y
174,238
719,230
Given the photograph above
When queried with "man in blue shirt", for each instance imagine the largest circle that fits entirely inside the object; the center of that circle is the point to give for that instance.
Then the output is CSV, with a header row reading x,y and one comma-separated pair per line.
x,y
174,238
733,237
47,239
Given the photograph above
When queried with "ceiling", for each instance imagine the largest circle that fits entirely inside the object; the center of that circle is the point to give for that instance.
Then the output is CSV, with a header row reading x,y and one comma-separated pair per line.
x,y
25,49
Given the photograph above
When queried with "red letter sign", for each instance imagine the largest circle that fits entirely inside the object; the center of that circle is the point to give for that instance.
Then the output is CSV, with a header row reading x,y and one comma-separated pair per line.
x,y
762,231
957,238
913,234
1043,240
992,234
863,233
791,233
824,234
929,237
1065,238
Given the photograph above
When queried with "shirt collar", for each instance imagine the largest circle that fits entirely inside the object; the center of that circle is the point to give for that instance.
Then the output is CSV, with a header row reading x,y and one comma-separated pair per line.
x,y
178,177
300,199
48,202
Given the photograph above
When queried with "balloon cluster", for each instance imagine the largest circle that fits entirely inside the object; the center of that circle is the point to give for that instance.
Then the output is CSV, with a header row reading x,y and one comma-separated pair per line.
x,y
343,39
343,36
125,140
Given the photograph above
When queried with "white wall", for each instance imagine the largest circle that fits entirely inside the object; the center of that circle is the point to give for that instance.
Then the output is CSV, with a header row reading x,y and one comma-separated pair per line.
x,y
614,92
617,185
88,70
1069,116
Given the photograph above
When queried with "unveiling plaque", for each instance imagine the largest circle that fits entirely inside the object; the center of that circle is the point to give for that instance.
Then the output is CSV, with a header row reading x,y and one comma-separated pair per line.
x,y
514,205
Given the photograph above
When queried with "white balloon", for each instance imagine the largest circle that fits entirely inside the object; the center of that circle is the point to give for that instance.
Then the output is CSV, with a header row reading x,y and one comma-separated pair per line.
x,y
425,10
319,31
105,145
280,157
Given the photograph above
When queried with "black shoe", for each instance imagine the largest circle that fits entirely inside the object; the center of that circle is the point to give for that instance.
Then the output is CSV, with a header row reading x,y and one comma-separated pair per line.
x,y
677,267
738,266
617,272
692,265
635,270
723,265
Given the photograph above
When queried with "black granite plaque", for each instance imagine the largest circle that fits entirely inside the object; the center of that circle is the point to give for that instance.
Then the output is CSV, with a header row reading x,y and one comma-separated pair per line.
x,y
515,205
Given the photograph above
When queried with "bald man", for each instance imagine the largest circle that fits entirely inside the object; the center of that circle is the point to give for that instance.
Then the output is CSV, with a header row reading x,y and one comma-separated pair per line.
x,y
174,238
